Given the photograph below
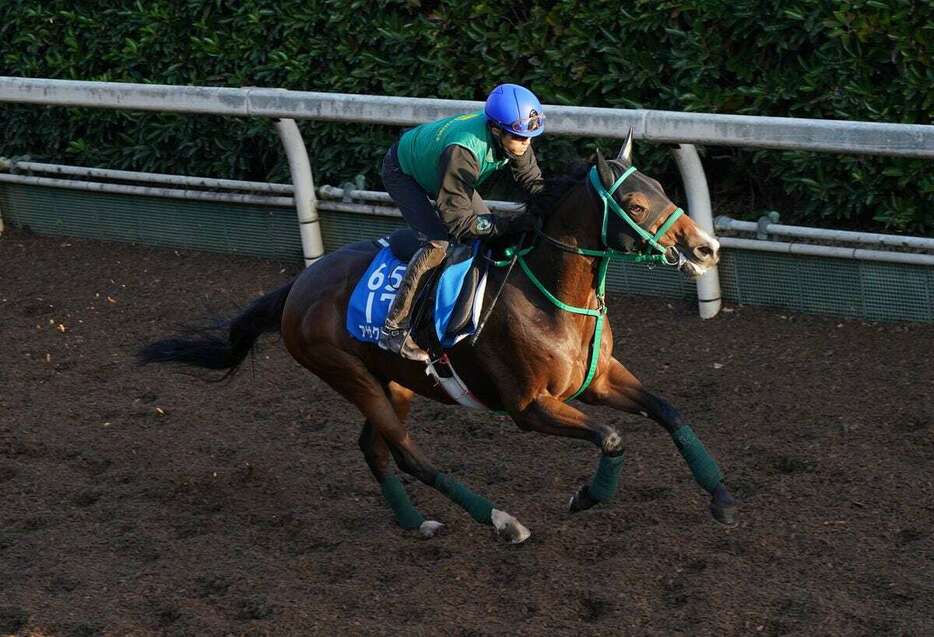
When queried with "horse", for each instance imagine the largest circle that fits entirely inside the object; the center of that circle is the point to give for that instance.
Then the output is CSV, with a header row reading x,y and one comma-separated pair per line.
x,y
546,341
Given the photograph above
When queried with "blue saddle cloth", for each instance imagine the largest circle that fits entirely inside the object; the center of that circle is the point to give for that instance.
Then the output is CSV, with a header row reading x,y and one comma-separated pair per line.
x,y
376,289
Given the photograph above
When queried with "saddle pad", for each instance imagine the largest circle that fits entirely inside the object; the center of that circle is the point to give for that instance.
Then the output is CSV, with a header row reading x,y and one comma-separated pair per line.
x,y
371,298
457,310
369,304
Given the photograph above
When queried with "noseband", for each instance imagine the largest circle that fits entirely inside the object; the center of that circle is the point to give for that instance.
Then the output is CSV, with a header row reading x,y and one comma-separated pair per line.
x,y
651,252
651,241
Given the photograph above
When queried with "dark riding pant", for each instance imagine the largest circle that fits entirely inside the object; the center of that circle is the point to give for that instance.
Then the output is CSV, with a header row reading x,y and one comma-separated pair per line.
x,y
419,212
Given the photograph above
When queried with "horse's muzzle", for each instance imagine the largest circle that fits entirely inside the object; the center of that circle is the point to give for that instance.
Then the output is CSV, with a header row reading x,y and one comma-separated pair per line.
x,y
673,256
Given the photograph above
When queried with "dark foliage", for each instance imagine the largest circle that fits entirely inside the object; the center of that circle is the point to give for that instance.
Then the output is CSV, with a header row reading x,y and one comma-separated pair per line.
x,y
862,60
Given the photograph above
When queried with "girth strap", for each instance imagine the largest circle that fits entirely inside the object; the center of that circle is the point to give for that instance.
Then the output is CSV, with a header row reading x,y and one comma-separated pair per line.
x,y
599,313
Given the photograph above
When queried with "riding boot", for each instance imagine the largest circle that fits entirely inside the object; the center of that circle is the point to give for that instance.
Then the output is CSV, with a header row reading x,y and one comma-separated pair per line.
x,y
394,336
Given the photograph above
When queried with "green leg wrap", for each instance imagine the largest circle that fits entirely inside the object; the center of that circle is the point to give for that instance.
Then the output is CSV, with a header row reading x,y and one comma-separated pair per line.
x,y
605,481
479,508
705,469
407,515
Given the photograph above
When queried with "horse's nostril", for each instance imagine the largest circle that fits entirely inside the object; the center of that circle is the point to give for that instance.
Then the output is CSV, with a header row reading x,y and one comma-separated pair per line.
x,y
703,252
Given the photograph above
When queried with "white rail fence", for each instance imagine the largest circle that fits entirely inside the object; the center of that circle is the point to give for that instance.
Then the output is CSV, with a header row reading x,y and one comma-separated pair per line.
x,y
684,129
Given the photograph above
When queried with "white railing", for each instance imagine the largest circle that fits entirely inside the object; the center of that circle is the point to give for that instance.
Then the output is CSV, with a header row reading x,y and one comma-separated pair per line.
x,y
907,140
685,129
378,203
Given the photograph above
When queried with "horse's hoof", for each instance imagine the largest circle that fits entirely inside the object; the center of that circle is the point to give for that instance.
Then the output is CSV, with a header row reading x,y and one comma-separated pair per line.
x,y
509,527
430,528
723,506
581,500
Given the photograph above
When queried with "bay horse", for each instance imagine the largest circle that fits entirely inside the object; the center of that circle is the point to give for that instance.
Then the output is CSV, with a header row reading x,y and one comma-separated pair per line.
x,y
546,341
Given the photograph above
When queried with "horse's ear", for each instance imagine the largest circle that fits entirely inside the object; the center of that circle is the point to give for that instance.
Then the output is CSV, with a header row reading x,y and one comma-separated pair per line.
x,y
604,170
625,153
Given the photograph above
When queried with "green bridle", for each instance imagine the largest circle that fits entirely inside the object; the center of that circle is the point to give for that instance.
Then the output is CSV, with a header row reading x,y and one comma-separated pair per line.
x,y
609,202
653,252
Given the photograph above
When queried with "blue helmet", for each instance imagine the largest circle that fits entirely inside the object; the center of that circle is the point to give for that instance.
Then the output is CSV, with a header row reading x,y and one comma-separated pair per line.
x,y
516,110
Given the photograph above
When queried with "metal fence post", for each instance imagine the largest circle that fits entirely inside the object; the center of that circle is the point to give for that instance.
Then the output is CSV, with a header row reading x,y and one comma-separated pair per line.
x,y
695,186
306,202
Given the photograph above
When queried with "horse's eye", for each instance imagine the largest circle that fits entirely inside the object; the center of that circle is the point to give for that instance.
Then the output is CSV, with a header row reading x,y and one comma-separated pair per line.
x,y
636,211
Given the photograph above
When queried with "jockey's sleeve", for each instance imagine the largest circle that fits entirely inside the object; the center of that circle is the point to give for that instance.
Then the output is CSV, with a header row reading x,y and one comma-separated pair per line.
x,y
526,172
459,205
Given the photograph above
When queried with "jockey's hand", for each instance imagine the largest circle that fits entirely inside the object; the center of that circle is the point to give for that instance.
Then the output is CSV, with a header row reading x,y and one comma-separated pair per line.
x,y
526,222
497,226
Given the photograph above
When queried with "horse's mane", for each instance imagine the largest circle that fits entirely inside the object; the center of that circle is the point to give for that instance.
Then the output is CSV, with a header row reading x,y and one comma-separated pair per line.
x,y
556,188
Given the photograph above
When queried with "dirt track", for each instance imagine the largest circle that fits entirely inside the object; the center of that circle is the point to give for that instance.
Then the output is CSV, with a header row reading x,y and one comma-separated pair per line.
x,y
142,501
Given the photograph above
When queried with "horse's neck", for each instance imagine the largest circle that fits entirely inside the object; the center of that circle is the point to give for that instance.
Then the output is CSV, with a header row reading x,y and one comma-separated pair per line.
x,y
570,277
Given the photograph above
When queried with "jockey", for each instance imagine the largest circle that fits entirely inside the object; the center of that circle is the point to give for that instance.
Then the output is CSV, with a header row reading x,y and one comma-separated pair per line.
x,y
447,160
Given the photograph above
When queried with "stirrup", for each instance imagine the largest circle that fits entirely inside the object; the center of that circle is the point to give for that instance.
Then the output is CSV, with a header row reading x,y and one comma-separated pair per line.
x,y
398,341
390,338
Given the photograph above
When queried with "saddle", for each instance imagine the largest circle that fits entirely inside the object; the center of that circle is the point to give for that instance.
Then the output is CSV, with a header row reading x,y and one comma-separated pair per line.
x,y
447,305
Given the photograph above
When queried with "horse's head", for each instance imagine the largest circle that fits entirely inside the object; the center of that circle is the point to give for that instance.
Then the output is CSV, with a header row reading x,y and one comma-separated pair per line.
x,y
648,208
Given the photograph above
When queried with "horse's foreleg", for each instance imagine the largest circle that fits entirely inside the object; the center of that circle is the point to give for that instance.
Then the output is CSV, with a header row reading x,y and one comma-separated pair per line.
x,y
619,389
551,416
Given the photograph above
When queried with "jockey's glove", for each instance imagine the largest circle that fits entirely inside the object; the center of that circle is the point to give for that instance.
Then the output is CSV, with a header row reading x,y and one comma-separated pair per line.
x,y
526,222
496,226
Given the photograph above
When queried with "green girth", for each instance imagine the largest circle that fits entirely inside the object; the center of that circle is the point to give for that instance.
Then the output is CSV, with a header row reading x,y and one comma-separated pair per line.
x,y
599,312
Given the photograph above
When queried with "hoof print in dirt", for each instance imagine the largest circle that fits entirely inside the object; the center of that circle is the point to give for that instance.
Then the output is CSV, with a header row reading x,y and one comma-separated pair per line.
x,y
651,494
62,584
907,536
256,607
593,609
33,523
166,615
12,619
86,498
7,473
212,585
191,526
94,463
139,548
673,594
790,465
81,629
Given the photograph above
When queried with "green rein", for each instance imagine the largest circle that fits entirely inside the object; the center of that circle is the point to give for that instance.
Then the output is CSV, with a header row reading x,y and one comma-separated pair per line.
x,y
653,253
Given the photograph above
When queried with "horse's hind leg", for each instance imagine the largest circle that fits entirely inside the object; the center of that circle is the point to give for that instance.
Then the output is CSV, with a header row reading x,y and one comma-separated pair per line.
x,y
619,389
352,380
376,453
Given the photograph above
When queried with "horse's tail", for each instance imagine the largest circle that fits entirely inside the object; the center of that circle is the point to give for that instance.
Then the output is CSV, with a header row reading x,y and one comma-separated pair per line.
x,y
226,345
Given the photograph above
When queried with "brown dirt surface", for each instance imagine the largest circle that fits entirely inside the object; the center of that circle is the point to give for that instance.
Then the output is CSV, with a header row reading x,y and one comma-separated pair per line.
x,y
145,501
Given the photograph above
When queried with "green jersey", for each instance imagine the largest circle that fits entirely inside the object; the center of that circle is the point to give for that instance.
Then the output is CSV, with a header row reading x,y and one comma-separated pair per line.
x,y
420,148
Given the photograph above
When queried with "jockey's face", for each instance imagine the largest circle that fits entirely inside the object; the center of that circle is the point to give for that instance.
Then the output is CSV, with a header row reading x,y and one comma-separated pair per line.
x,y
513,144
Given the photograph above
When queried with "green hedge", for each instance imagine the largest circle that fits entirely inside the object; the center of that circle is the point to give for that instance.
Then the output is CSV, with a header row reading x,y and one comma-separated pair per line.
x,y
861,60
